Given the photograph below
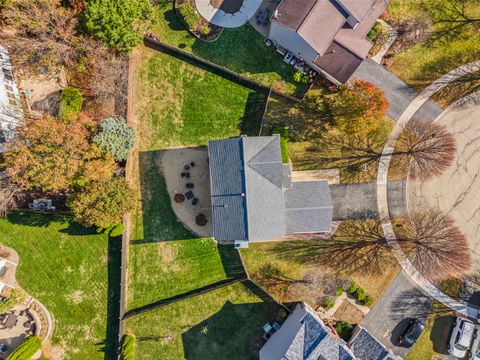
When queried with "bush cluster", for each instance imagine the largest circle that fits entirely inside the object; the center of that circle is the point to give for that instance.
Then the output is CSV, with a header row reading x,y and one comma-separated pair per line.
x,y
329,302
344,329
115,137
358,293
71,101
26,349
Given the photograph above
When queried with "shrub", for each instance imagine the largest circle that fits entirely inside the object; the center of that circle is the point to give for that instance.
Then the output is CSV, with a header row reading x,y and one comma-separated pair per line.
x,y
206,30
71,102
300,77
372,34
329,302
7,304
339,291
352,288
127,352
360,294
368,301
101,203
344,330
26,349
117,23
117,230
188,14
115,137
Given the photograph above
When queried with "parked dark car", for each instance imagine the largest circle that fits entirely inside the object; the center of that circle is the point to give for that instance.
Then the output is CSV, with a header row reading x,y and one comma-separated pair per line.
x,y
412,332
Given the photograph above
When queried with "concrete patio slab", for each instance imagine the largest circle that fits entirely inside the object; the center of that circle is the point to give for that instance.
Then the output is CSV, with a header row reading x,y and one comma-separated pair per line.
x,y
219,17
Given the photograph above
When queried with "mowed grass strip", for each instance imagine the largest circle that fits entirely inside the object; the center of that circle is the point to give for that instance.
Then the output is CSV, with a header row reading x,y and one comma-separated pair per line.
x,y
65,267
242,50
222,324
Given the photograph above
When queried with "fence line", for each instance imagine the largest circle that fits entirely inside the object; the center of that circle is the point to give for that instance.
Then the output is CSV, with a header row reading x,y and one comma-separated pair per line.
x,y
265,111
212,67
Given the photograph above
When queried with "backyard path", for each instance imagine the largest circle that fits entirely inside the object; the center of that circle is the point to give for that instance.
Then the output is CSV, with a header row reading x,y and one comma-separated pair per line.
x,y
462,200
382,190
392,36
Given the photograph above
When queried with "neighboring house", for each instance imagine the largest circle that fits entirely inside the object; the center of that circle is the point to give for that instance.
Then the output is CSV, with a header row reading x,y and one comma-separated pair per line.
x,y
11,113
329,35
366,347
304,336
253,196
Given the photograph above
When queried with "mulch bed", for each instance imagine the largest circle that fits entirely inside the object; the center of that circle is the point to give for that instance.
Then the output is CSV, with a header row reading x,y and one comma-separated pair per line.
x,y
179,198
201,220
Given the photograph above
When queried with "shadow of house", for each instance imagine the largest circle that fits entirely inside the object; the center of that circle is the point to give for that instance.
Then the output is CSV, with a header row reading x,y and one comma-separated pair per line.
x,y
235,332
232,264
253,115
159,221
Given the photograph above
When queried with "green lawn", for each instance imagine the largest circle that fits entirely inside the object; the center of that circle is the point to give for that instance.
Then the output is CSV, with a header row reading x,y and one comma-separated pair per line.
x,y
422,63
176,104
67,268
223,324
241,50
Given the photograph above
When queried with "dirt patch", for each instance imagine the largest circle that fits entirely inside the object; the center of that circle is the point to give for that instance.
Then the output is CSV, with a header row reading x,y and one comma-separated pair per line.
x,y
167,252
56,352
76,297
348,312
175,164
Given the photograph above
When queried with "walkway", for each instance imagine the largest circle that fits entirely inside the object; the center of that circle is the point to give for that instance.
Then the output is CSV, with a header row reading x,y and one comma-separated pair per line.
x,y
224,19
392,36
398,94
382,190
359,200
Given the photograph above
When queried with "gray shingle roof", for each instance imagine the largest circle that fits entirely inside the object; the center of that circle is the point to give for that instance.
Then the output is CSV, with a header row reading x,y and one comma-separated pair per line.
x,y
253,197
366,347
308,207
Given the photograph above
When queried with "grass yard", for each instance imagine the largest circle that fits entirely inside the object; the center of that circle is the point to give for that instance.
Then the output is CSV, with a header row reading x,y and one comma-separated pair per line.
x,y
71,270
294,268
176,105
421,64
222,324
241,50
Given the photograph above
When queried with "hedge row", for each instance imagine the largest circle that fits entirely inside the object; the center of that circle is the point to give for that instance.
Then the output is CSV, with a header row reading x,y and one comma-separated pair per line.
x,y
358,293
26,349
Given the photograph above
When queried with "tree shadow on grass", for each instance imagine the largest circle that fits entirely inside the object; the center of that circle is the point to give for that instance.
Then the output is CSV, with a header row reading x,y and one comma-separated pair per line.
x,y
36,219
159,221
232,333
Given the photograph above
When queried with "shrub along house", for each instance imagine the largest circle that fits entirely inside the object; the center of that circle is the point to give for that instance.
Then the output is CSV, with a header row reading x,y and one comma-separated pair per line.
x,y
254,198
328,35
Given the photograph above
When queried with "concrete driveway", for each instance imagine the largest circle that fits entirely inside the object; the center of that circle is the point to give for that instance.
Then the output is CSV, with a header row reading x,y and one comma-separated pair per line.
x,y
457,191
359,200
402,301
398,94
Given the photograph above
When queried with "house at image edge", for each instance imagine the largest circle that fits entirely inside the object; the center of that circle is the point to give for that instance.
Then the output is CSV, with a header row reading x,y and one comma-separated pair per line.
x,y
254,198
304,336
329,35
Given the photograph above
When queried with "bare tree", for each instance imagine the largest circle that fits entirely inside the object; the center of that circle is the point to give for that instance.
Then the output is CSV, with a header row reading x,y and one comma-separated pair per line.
x,y
435,245
430,146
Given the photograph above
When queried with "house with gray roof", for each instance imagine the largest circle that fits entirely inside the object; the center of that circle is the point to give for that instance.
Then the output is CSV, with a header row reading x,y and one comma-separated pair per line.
x,y
366,347
328,35
304,336
254,198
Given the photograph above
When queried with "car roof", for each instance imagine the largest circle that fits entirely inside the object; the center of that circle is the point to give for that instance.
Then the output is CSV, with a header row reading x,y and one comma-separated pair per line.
x,y
467,333
416,329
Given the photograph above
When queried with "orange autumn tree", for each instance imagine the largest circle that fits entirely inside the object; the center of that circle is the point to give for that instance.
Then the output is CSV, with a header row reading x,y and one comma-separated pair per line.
x,y
357,109
54,154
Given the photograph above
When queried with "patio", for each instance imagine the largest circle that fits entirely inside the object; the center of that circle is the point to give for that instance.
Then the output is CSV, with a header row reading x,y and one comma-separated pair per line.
x,y
15,326
227,13
188,182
